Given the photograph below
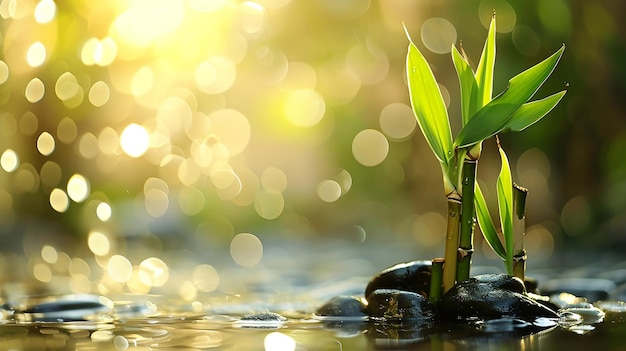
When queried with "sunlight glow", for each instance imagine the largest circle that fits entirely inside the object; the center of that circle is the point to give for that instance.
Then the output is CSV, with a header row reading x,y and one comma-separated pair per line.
x,y
135,140
304,107
45,11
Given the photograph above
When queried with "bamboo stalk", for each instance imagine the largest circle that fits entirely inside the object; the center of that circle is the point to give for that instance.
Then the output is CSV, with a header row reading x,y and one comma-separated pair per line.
x,y
436,279
519,231
466,239
452,240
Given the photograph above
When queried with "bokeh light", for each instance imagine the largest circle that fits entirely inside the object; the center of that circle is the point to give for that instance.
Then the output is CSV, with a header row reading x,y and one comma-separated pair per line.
x,y
78,188
397,121
59,200
45,11
99,243
119,268
246,249
153,272
104,211
438,34
329,190
370,147
36,54
206,278
45,143
143,132
304,107
134,140
277,341
35,90
9,160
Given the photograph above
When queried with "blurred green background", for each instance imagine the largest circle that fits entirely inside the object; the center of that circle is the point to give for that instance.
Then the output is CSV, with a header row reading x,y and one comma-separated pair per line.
x,y
210,123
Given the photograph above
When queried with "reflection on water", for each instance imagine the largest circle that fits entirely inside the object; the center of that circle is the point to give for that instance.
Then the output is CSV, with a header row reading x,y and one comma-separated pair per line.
x,y
275,321
190,331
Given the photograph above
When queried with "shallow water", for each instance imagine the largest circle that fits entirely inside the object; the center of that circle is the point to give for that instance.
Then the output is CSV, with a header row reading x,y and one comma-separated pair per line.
x,y
48,317
198,331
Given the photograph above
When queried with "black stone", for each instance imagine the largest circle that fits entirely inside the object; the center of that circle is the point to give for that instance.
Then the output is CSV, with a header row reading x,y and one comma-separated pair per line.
x,y
343,306
393,304
411,276
490,297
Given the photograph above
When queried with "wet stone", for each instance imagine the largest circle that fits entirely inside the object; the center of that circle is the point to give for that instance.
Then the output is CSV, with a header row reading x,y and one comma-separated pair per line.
x,y
491,296
589,313
411,276
264,317
393,304
69,308
594,289
343,306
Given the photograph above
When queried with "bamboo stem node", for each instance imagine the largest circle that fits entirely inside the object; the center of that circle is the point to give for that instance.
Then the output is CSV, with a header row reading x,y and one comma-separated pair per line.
x,y
465,252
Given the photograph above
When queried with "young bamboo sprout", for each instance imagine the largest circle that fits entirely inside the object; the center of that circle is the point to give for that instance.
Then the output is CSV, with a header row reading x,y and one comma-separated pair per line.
x,y
519,231
482,118
466,240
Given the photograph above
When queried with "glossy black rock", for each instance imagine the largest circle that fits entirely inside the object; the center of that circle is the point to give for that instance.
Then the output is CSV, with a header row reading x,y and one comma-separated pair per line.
x,y
490,297
343,306
393,304
410,276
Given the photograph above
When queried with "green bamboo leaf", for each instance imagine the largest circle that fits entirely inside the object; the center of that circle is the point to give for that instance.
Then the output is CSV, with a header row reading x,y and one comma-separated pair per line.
x,y
486,223
492,118
484,72
505,205
467,82
428,105
531,112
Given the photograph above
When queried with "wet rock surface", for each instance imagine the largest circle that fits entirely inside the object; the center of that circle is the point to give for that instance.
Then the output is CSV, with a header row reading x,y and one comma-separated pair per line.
x,y
411,276
491,297
343,306
394,304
